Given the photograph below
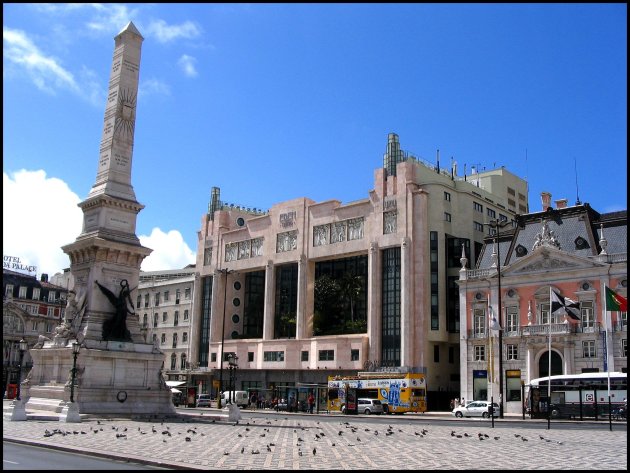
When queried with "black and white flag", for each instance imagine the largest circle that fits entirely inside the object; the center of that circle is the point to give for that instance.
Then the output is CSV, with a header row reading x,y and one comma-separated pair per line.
x,y
564,305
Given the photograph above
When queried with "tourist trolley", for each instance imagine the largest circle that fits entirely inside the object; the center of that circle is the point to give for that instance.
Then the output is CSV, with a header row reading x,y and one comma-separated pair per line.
x,y
399,392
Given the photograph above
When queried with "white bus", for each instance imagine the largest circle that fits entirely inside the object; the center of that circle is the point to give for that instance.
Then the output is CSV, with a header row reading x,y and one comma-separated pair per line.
x,y
577,395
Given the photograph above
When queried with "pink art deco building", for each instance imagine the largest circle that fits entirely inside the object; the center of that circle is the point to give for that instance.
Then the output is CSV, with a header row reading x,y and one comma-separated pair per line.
x,y
311,289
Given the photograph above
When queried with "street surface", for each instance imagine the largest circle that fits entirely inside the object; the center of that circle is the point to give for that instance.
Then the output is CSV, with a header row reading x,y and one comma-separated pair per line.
x,y
282,441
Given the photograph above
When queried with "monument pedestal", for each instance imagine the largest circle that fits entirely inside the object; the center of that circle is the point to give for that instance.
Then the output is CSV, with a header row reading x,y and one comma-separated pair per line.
x,y
70,413
16,411
122,378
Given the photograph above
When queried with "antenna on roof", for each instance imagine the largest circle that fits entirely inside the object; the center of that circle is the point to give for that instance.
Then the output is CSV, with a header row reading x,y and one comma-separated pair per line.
x,y
577,193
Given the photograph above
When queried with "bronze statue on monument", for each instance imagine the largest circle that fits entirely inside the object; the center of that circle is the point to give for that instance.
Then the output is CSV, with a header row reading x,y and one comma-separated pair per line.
x,y
116,327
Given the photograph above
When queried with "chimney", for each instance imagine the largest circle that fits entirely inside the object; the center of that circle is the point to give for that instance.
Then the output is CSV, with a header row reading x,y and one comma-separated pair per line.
x,y
561,203
546,200
44,277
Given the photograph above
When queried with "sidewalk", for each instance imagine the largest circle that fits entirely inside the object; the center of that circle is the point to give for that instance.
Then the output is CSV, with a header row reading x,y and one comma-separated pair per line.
x,y
286,441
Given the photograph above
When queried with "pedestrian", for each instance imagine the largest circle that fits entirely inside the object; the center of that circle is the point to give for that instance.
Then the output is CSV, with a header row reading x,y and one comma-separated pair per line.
x,y
253,401
311,402
452,404
292,405
463,401
456,401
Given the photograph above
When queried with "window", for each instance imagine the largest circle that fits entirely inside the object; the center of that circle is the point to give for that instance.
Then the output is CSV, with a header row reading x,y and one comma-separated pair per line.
x,y
173,361
543,314
213,357
163,338
138,301
491,213
155,320
478,207
146,300
186,314
157,299
178,294
145,321
587,315
480,353
164,317
354,355
174,340
512,319
304,355
478,226
184,337
52,295
447,217
588,349
8,292
512,352
34,325
624,347
187,293
182,363
50,312
479,323
436,353
36,293
326,355
176,318
22,292
165,296
503,218
250,356
154,338
273,356
447,196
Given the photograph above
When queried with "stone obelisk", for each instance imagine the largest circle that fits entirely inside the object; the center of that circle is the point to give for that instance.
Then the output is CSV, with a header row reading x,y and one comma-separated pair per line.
x,y
117,371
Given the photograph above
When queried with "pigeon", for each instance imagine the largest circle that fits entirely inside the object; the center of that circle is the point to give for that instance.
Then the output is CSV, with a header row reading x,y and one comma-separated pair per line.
x,y
452,433
255,452
226,453
497,438
188,439
242,449
268,448
300,452
314,450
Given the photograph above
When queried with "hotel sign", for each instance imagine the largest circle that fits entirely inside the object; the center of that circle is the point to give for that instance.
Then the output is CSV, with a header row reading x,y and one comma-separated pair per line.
x,y
14,263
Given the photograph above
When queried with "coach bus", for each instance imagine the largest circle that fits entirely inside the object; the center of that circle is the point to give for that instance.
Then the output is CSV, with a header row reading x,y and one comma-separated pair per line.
x,y
577,395
398,392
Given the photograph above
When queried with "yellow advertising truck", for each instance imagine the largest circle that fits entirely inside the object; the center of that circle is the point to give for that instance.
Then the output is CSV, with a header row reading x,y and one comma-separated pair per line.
x,y
398,392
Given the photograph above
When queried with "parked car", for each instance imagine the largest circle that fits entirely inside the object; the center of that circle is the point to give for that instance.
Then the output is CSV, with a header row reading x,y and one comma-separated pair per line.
x,y
203,400
476,409
367,406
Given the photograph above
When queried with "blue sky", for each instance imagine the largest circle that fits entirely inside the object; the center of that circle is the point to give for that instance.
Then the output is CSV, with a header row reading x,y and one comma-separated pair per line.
x,y
271,102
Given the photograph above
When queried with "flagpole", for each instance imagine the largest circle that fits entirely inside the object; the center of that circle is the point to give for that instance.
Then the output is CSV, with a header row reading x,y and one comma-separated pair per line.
x,y
607,318
549,360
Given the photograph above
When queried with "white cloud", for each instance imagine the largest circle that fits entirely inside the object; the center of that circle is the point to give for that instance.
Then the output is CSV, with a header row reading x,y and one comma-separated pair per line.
x,y
153,86
165,33
169,251
187,63
44,71
40,214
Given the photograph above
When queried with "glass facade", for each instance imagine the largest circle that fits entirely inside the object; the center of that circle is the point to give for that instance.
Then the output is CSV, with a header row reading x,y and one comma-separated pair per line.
x,y
254,304
390,354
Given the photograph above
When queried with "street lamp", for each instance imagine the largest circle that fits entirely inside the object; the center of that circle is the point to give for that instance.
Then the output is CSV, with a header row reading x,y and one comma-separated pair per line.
x,y
232,367
23,346
498,224
225,271
75,352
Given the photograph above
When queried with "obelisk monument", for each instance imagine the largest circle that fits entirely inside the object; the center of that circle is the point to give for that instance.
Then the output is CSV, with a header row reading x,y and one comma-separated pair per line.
x,y
117,371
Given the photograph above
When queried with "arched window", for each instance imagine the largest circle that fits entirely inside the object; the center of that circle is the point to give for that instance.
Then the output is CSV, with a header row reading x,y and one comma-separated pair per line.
x,y
183,362
173,361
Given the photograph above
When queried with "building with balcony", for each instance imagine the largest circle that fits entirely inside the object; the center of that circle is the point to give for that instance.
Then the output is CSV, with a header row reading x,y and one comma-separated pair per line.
x,y
30,308
576,252
164,306
311,289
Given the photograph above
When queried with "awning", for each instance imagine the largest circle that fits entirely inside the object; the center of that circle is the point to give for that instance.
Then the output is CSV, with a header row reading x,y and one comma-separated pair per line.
x,y
173,384
175,390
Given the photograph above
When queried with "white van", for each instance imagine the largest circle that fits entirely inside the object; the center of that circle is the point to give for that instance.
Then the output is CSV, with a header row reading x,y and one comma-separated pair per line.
x,y
239,398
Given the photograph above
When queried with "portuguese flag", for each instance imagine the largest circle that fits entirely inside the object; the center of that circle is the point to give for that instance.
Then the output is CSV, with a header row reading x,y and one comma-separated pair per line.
x,y
615,302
